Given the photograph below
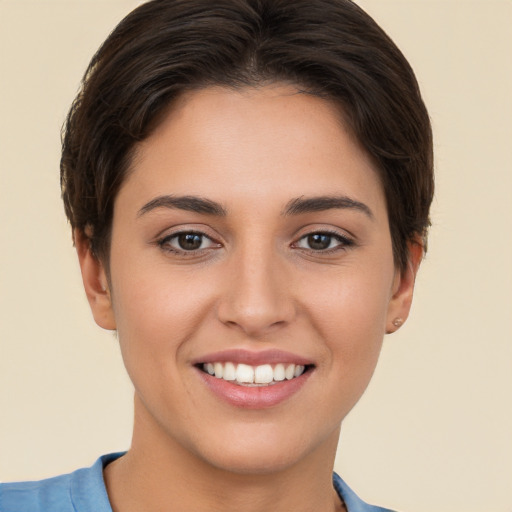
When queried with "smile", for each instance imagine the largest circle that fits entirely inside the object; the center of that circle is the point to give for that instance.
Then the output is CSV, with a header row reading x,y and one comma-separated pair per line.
x,y
254,379
255,376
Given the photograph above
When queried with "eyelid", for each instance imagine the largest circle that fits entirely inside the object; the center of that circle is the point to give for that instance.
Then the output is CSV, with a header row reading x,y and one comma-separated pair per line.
x,y
163,241
181,228
345,241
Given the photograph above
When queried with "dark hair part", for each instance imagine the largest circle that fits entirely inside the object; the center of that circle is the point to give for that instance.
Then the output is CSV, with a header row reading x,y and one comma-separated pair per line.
x,y
330,48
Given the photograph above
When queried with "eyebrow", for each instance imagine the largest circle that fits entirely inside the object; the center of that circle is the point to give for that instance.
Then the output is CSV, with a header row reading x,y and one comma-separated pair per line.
x,y
187,203
297,206
302,205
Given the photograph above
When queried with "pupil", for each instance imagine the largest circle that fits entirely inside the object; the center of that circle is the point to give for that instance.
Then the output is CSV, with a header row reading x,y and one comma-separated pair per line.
x,y
189,241
319,241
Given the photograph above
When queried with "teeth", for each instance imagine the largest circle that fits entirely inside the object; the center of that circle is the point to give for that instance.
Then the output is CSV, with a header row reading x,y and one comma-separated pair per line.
x,y
219,370
263,374
289,373
279,373
245,374
229,372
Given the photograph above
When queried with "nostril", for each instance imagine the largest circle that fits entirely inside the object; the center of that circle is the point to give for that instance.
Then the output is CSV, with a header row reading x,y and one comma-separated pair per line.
x,y
256,299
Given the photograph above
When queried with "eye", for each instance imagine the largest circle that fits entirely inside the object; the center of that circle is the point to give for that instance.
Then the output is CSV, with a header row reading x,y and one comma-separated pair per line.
x,y
186,241
324,241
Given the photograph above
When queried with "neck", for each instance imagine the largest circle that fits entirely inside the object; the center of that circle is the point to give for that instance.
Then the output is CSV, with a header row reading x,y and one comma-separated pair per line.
x,y
158,473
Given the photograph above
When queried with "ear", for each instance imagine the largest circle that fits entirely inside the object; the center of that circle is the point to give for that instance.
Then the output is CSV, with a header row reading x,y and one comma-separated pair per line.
x,y
403,288
95,282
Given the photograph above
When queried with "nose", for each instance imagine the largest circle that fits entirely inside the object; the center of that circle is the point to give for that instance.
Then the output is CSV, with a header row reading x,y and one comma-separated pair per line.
x,y
257,296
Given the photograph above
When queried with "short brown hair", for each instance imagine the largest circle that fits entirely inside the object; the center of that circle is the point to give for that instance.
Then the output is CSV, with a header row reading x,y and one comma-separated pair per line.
x,y
330,48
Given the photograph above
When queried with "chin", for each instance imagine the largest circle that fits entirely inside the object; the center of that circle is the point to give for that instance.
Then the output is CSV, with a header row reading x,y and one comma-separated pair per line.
x,y
256,462
263,451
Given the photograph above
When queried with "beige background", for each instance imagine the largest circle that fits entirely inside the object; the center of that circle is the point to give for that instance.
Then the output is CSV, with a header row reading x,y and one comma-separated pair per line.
x,y
434,430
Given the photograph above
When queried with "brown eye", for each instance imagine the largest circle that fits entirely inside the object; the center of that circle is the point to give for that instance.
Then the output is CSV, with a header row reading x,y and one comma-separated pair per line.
x,y
324,242
319,241
189,241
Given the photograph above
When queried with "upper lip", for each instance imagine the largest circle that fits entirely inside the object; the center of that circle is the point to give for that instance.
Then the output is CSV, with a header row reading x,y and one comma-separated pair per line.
x,y
253,358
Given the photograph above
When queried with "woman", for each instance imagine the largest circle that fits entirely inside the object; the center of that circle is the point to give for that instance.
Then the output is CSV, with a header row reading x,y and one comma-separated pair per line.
x,y
248,184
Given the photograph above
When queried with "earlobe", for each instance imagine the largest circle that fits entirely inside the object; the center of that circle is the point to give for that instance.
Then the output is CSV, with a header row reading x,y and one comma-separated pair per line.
x,y
95,282
403,289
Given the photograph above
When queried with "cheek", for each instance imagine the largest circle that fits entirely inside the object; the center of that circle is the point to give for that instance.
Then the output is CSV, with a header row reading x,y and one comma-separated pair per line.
x,y
156,315
156,312
350,316
157,308
355,299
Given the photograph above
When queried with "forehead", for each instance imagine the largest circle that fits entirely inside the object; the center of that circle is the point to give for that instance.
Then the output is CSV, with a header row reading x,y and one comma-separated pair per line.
x,y
272,142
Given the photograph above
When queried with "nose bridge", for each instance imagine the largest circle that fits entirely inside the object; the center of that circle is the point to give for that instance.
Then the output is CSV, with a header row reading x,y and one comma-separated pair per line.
x,y
256,297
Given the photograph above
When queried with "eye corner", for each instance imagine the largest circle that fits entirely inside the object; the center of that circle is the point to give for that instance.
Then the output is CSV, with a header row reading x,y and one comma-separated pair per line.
x,y
324,241
187,243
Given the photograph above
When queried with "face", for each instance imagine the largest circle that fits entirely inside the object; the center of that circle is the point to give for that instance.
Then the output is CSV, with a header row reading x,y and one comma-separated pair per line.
x,y
251,242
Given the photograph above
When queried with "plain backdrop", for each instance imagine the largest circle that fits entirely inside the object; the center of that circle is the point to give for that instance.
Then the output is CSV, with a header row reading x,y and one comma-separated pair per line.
x,y
434,429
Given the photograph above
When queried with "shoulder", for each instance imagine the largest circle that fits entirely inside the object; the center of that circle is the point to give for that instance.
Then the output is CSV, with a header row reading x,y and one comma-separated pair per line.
x,y
52,494
352,501
80,491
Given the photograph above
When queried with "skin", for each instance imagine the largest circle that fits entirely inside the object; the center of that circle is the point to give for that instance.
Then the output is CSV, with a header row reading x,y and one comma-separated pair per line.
x,y
255,284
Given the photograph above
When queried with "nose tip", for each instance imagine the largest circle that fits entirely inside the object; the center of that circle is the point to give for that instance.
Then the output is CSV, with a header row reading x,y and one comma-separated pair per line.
x,y
253,323
257,299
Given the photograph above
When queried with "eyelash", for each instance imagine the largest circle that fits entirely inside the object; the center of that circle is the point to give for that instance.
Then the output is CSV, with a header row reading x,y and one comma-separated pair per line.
x,y
344,243
164,243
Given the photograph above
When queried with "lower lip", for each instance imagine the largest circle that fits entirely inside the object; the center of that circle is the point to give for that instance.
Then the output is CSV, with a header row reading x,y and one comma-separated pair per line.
x,y
257,397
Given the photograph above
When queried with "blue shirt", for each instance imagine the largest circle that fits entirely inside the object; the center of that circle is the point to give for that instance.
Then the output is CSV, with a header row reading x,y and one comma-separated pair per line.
x,y
84,491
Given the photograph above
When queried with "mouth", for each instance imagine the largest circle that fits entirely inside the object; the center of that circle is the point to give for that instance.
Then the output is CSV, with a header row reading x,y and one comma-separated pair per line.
x,y
254,380
262,375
